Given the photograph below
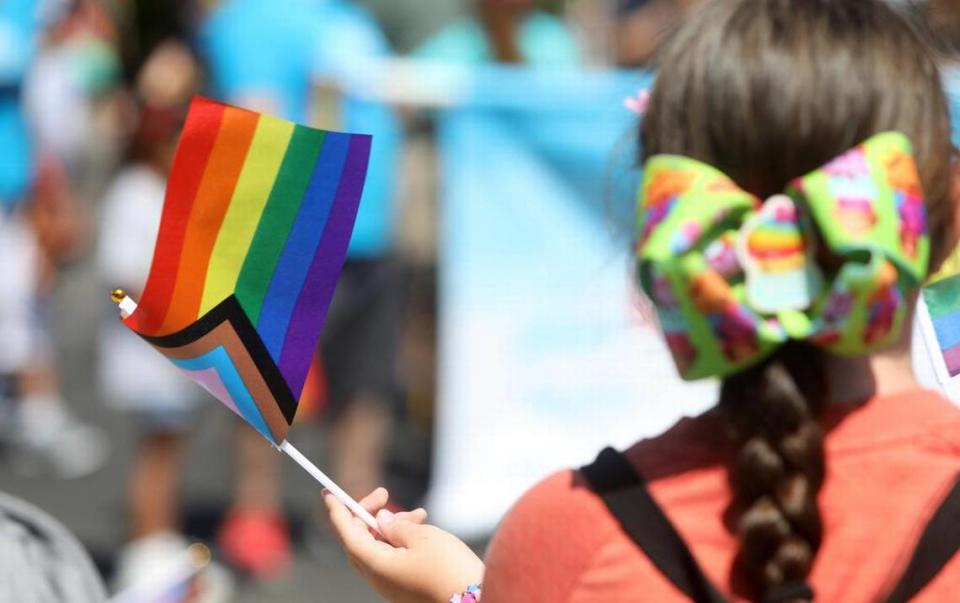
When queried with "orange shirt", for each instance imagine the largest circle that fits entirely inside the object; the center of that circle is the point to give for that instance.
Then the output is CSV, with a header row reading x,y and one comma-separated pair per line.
x,y
890,462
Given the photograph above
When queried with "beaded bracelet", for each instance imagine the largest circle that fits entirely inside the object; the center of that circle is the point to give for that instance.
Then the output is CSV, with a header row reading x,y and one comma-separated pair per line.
x,y
471,595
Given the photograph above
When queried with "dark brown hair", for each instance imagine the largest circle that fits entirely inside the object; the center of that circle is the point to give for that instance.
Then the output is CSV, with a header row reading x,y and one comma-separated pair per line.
x,y
768,90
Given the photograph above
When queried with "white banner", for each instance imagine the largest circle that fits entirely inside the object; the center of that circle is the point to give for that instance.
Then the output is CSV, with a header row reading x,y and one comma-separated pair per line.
x,y
545,357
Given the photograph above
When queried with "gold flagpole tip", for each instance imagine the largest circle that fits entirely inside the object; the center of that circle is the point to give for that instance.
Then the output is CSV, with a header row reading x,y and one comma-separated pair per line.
x,y
200,555
117,295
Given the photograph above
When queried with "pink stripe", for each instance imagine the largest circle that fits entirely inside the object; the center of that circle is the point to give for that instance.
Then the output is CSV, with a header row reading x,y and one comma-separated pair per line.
x,y
952,358
210,381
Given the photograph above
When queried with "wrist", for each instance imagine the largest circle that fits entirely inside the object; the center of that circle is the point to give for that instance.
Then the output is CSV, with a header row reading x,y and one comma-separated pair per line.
x,y
470,571
470,595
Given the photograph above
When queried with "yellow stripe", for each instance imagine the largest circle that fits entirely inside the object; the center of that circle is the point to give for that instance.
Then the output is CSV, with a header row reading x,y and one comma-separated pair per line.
x,y
249,198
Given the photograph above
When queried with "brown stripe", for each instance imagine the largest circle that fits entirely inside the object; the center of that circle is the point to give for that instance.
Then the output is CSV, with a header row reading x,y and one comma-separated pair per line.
x,y
224,335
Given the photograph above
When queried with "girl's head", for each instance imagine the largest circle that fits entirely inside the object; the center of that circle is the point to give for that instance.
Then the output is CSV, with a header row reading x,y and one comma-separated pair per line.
x,y
767,91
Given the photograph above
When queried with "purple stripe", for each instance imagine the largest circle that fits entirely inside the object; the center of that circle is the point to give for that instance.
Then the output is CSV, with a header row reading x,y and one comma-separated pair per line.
x,y
951,357
311,309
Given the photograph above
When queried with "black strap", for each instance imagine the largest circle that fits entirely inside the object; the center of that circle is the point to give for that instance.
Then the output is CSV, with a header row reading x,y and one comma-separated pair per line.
x,y
789,592
614,479
938,544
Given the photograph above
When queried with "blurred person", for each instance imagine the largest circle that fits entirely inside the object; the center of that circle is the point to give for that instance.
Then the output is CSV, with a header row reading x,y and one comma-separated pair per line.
x,y
825,470
360,341
134,377
292,63
941,21
40,227
259,58
45,563
42,561
323,41
77,63
643,25
505,31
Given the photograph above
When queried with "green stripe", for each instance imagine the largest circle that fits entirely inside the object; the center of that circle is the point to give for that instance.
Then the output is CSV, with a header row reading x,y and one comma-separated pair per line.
x,y
943,297
278,217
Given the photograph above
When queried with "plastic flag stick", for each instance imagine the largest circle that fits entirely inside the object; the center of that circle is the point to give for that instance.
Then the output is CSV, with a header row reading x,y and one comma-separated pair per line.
x,y
329,484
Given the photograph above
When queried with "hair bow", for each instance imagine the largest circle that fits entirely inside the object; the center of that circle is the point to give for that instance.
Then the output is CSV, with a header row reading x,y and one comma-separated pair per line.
x,y
830,261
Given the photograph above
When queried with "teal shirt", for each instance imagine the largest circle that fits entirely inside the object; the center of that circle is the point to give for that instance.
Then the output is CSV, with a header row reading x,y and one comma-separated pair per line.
x,y
545,41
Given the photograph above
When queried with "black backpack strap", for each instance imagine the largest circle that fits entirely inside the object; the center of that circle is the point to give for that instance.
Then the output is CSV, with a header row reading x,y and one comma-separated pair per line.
x,y
938,544
614,479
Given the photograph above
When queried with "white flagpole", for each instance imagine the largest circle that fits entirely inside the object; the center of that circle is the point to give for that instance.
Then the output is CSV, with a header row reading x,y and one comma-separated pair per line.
x,y
330,485
128,306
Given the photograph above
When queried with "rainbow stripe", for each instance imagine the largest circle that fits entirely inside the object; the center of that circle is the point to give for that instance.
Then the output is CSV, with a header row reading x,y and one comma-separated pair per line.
x,y
256,221
943,301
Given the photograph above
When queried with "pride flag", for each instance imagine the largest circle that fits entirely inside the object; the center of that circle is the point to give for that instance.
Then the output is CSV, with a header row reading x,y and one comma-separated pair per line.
x,y
256,220
942,297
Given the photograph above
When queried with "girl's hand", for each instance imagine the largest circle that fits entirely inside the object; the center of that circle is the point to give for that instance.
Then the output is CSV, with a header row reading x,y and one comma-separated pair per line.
x,y
413,563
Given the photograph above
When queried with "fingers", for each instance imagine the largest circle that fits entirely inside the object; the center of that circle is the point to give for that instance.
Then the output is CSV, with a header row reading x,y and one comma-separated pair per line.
x,y
417,516
375,501
353,533
397,530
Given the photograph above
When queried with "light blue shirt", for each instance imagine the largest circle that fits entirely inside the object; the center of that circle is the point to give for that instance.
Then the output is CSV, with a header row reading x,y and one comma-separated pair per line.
x,y
19,25
544,40
255,49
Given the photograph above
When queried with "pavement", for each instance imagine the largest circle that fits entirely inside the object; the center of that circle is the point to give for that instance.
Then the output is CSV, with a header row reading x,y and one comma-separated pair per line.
x,y
93,507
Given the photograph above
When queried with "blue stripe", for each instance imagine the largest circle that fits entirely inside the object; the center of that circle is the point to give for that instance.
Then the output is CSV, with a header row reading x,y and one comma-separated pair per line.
x,y
219,359
948,330
302,244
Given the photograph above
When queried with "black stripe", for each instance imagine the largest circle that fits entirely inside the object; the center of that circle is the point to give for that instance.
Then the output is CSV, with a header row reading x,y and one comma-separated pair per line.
x,y
230,310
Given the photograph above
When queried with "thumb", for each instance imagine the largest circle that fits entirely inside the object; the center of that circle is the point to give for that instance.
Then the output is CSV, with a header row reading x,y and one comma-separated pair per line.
x,y
397,531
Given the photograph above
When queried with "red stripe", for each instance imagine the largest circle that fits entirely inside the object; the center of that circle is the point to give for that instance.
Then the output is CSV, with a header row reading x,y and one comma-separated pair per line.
x,y
196,144
212,201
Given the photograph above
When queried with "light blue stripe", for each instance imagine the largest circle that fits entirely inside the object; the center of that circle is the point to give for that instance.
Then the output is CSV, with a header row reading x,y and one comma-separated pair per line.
x,y
219,359
948,330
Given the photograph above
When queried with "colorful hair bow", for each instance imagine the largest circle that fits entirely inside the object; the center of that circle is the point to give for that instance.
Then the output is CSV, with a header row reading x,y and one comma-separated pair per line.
x,y
733,278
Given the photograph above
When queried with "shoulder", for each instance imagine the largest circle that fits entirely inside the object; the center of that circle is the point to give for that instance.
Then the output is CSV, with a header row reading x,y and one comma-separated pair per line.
x,y
691,443
560,541
547,24
462,41
350,33
550,41
547,540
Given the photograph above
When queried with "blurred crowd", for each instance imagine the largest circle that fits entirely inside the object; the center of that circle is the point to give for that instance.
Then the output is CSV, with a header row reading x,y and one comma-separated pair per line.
x,y
92,97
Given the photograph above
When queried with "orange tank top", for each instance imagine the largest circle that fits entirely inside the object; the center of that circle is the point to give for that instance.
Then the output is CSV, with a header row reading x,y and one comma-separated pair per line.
x,y
890,462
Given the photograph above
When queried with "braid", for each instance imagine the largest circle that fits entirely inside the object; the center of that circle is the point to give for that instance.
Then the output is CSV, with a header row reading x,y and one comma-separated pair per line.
x,y
778,467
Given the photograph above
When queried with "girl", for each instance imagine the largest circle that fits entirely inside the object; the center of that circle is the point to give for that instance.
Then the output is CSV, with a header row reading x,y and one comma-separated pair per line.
x,y
824,471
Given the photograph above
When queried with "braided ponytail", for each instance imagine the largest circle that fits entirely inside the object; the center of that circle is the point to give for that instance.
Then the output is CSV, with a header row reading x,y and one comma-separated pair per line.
x,y
778,468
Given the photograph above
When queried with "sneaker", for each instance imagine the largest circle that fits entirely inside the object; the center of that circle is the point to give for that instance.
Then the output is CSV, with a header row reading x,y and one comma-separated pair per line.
x,y
52,441
257,542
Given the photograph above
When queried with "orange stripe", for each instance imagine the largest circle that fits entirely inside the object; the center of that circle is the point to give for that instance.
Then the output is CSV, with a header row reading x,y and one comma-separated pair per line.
x,y
196,144
209,208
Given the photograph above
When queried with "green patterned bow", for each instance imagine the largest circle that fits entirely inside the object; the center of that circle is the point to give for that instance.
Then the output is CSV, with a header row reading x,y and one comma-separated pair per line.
x,y
830,261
